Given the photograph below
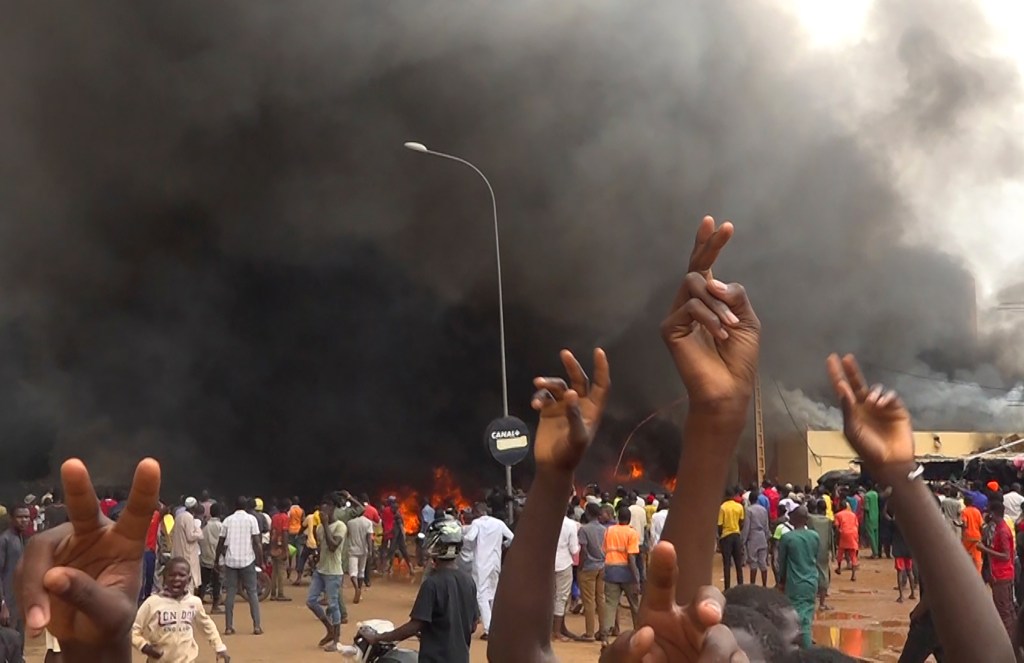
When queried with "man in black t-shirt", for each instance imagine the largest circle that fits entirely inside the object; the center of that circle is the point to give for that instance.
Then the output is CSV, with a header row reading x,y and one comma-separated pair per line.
x,y
445,612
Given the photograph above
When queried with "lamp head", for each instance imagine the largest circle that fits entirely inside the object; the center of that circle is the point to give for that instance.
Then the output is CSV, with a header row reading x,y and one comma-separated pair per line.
x,y
416,147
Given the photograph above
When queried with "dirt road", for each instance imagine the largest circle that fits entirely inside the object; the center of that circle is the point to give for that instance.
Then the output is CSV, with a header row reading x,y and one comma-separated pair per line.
x,y
866,622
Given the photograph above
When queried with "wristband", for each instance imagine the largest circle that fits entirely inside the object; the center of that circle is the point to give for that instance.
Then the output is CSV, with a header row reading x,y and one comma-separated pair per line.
x,y
916,472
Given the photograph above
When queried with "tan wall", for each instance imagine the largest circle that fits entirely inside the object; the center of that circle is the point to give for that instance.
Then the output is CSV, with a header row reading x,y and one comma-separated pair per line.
x,y
824,451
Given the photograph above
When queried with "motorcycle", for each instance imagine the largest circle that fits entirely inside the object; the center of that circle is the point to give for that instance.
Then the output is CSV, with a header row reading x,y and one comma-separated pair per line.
x,y
262,583
382,652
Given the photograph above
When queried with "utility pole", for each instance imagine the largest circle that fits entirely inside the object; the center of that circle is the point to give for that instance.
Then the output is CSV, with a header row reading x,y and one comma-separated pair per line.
x,y
759,430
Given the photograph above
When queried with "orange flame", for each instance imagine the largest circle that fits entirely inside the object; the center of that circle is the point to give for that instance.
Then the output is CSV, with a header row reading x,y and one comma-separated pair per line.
x,y
444,490
635,471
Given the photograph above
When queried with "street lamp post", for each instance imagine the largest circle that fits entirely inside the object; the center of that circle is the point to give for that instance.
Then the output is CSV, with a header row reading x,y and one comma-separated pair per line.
x,y
420,147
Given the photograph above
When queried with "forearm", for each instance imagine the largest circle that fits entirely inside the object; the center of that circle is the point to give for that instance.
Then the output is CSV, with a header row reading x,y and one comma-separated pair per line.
x,y
709,442
634,569
521,624
965,616
403,632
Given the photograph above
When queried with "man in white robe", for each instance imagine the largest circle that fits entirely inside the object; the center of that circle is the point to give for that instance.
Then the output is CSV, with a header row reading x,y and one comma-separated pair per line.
x,y
489,536
185,539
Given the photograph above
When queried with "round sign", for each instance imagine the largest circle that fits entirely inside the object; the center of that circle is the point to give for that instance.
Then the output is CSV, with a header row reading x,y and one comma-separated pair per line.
x,y
508,438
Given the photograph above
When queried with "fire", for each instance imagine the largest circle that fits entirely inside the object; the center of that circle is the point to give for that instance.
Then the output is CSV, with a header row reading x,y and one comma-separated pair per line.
x,y
444,490
635,470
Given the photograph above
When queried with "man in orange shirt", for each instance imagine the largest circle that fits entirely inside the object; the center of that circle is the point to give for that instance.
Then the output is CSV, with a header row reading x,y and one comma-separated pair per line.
x,y
971,521
295,535
848,527
621,574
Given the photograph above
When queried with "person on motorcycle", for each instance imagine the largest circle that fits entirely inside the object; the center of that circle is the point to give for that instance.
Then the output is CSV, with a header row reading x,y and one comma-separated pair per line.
x,y
445,613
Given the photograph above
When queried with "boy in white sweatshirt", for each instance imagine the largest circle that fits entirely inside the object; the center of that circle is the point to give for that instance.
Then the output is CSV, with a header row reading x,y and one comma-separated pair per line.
x,y
163,628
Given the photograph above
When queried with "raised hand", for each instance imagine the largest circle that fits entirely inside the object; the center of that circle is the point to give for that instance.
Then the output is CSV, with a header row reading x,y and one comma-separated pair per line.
x,y
707,245
81,580
714,337
875,420
569,415
672,633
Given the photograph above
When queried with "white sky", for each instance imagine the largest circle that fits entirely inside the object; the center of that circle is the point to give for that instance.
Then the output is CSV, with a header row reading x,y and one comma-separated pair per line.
x,y
984,224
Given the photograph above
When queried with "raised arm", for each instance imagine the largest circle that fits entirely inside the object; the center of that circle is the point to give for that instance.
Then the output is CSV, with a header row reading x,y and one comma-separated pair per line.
x,y
523,606
713,336
878,426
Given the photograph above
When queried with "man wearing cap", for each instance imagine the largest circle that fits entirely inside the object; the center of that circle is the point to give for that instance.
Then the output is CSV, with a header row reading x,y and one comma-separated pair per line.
x,y
185,538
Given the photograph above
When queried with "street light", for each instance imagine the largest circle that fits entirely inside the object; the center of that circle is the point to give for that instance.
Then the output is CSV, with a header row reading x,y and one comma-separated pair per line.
x,y
420,147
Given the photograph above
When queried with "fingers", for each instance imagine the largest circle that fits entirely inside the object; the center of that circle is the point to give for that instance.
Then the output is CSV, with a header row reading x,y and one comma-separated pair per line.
x,y
104,606
35,562
706,608
737,303
555,386
577,376
578,434
855,377
602,383
660,592
142,501
708,243
630,647
837,375
720,647
80,498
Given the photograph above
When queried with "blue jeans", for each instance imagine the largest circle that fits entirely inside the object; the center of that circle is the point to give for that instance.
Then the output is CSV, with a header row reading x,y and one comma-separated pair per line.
x,y
332,586
248,575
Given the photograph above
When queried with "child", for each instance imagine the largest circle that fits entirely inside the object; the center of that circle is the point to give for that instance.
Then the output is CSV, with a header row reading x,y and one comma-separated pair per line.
x,y
163,628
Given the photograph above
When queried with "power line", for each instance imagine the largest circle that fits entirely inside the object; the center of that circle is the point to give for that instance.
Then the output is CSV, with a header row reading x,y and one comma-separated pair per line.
x,y
801,433
933,378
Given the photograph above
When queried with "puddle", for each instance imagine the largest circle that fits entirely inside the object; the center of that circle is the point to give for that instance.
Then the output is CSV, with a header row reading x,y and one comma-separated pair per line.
x,y
858,642
839,615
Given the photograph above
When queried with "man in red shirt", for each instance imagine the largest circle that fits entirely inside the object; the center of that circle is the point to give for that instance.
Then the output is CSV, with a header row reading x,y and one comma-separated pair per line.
x,y
279,551
387,523
773,500
149,556
1001,565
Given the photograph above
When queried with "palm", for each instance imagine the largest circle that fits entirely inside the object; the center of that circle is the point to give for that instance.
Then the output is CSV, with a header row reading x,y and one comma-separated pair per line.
x,y
112,560
880,435
875,421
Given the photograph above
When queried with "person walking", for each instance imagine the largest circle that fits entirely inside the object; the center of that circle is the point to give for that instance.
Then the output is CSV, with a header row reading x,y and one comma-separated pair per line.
x,y
798,569
185,539
871,520
210,566
360,547
755,534
488,536
730,544
568,548
242,550
621,576
12,546
279,541
591,571
327,577
819,522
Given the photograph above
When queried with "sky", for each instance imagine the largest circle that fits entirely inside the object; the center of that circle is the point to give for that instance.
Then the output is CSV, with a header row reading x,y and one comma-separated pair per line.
x,y
981,221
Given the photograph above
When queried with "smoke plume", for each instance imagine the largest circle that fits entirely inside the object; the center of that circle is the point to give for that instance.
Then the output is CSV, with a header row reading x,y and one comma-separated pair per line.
x,y
213,248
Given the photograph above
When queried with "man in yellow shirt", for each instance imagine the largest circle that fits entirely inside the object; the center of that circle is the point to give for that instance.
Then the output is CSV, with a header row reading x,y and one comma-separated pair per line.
x,y
730,543
309,525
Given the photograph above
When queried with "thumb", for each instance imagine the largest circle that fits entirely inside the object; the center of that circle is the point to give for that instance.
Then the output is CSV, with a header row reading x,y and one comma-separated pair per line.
x,y
735,295
106,607
630,647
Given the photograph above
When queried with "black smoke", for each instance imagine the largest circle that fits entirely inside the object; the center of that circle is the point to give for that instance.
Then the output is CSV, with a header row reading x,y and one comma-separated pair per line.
x,y
213,248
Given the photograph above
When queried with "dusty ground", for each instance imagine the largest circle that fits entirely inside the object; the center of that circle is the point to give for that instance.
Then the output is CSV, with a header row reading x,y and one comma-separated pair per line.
x,y
866,622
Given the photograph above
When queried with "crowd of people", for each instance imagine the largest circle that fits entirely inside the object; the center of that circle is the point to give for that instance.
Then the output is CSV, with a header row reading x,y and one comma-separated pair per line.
x,y
124,573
